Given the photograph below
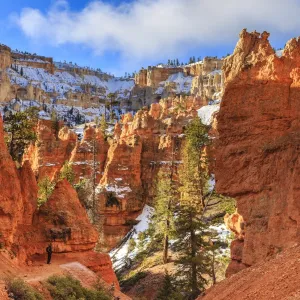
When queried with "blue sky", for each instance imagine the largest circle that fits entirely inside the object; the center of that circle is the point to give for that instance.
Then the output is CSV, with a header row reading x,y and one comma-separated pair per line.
x,y
120,36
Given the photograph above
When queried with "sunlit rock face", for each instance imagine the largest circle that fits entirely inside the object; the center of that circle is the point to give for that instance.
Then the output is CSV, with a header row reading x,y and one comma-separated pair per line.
x,y
257,159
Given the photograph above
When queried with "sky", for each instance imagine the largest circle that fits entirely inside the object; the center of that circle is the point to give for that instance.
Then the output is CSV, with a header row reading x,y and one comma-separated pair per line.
x,y
121,36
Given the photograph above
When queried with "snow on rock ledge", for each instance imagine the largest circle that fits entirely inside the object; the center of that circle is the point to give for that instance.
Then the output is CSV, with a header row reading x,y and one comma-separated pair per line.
x,y
206,113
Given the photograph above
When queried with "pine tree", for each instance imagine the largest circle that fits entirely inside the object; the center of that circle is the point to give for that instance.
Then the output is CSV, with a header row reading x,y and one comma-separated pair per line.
x,y
67,172
55,123
103,125
20,128
22,71
164,205
177,62
168,290
111,96
192,233
46,187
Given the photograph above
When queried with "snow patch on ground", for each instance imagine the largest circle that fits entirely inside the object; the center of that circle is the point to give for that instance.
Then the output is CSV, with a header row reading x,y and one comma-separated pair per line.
x,y
120,254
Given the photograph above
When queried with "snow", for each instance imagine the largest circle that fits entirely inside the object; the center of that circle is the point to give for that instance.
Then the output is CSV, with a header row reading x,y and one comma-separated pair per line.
x,y
215,72
178,82
206,113
279,53
63,81
119,254
211,183
224,235
119,191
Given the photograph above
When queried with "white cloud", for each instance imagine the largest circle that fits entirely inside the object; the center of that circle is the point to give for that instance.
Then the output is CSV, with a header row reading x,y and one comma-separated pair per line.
x,y
151,28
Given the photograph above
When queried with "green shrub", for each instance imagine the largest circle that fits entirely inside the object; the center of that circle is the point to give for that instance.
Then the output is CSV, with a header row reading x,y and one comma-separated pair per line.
x,y
21,290
68,288
128,283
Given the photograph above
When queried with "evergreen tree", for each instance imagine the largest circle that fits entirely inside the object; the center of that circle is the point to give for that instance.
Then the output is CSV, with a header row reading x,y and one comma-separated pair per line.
x,y
46,187
103,125
168,290
20,128
164,206
55,123
177,62
111,96
67,172
22,71
192,233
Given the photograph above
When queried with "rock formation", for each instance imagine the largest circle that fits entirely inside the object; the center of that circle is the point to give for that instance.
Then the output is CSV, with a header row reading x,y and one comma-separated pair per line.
x,y
89,156
257,159
51,149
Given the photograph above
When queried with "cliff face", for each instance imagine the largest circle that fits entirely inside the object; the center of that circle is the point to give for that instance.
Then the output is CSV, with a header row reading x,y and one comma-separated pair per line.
x,y
17,201
258,148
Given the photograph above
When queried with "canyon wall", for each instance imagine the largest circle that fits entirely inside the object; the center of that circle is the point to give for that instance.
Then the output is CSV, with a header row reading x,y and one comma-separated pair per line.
x,y
123,166
257,158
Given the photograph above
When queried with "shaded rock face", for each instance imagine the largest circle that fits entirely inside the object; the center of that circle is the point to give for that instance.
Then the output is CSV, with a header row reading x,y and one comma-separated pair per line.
x,y
17,197
89,156
63,220
258,148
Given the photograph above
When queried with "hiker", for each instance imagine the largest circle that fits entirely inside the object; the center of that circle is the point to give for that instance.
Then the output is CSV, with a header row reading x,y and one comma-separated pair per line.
x,y
49,252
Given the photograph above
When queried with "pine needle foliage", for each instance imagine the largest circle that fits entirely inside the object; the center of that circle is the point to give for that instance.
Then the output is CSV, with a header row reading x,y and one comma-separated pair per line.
x,y
46,187
67,172
192,233
164,207
169,290
20,129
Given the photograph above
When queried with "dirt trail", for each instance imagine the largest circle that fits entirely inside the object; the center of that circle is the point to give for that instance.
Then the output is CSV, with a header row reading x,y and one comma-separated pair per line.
x,y
40,271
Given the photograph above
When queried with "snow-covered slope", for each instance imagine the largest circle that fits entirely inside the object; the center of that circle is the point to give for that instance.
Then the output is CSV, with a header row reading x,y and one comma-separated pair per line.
x,y
121,253
177,83
63,81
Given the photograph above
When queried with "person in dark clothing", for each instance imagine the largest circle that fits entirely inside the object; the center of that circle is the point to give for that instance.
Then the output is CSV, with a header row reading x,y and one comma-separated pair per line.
x,y
49,252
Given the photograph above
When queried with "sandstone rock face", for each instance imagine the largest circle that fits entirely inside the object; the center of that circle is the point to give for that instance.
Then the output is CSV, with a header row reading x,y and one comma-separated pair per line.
x,y
257,159
51,150
13,196
5,57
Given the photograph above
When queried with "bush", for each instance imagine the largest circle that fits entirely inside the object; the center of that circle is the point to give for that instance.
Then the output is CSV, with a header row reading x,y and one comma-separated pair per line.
x,y
128,283
21,290
68,288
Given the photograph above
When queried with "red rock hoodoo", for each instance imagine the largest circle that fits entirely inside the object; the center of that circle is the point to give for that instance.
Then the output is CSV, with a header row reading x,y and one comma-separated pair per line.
x,y
258,147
